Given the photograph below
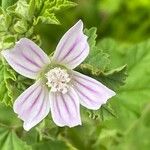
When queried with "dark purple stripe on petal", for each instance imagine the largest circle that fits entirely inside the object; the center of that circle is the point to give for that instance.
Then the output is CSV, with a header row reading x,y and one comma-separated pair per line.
x,y
36,54
70,33
73,100
86,79
75,58
34,102
29,95
41,107
27,69
65,104
58,108
71,48
62,47
90,100
28,59
87,87
30,107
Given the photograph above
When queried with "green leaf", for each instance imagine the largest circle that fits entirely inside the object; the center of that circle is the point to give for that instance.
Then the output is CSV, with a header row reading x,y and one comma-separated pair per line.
x,y
5,20
22,9
138,134
106,112
10,141
91,34
105,139
7,78
8,117
137,57
57,5
7,3
53,145
46,18
132,98
21,26
97,58
116,50
7,41
32,8
47,13
115,77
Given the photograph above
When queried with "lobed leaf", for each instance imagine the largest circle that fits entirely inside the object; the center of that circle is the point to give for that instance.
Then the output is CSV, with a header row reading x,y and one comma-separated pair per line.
x,y
7,79
49,9
131,103
10,141
97,58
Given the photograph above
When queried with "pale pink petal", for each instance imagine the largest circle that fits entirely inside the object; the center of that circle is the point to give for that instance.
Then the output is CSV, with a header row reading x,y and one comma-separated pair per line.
x,y
32,105
73,47
65,108
91,92
26,58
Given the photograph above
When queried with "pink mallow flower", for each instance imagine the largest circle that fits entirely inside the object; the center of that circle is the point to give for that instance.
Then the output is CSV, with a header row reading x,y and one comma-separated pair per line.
x,y
57,87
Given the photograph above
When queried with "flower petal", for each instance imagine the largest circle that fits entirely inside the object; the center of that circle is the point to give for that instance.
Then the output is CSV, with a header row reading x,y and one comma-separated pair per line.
x,y
65,108
32,105
91,92
26,58
73,47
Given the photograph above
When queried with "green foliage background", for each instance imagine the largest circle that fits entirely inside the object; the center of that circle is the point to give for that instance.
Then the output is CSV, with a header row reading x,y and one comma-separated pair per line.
x,y
119,58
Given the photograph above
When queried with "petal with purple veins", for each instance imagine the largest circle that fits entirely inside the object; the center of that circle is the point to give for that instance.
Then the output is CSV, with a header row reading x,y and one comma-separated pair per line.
x,y
65,108
32,105
26,58
91,92
73,47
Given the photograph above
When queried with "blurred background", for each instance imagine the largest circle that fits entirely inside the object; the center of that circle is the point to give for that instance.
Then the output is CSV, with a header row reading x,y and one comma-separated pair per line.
x,y
123,29
123,20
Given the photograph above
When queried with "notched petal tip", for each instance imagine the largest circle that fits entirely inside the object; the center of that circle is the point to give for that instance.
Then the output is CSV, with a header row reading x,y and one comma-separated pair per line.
x,y
109,94
92,93
75,124
73,47
65,109
113,93
79,24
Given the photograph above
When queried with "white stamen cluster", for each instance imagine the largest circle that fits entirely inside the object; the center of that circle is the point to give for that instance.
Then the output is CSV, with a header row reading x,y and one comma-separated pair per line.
x,y
58,80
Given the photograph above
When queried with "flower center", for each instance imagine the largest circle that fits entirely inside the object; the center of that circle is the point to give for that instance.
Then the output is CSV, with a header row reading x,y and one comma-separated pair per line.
x,y
58,80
